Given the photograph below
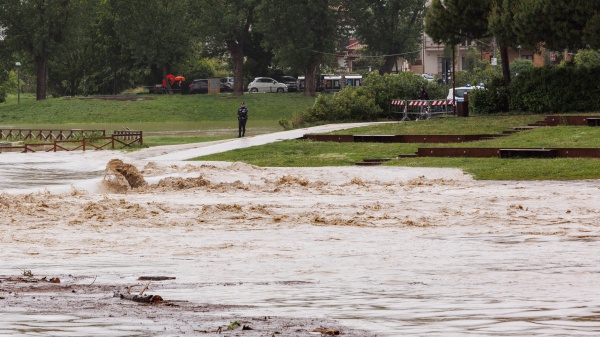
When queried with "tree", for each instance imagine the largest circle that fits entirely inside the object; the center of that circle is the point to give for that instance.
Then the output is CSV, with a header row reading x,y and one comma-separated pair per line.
x,y
389,28
501,24
302,34
157,32
226,26
454,21
569,24
38,27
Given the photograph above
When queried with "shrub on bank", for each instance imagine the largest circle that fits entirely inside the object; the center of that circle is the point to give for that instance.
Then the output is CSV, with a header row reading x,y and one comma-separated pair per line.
x,y
553,89
492,99
366,103
350,104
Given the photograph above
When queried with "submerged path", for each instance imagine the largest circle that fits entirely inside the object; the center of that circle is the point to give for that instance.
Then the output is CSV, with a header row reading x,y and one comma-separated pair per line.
x,y
188,151
30,172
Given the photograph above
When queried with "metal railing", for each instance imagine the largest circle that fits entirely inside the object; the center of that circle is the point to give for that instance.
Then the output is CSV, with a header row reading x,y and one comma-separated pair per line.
x,y
405,110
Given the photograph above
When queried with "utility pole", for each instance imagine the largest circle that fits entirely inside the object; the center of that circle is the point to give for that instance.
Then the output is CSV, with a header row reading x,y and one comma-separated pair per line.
x,y
18,65
495,57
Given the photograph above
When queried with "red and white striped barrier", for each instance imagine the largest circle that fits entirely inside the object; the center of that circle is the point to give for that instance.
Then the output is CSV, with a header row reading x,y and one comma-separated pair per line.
x,y
399,102
417,103
441,102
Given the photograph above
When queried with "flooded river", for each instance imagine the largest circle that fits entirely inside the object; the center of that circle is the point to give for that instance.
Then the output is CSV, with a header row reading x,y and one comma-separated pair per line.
x,y
396,251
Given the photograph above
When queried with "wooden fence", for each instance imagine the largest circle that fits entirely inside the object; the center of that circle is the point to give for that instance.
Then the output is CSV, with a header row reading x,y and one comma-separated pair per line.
x,y
118,140
46,134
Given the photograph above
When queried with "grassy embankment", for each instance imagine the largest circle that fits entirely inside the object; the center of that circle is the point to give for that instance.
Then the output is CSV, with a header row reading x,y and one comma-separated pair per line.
x,y
164,119
268,109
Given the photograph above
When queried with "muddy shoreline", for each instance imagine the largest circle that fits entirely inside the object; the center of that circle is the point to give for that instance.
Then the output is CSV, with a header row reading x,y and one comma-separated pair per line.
x,y
39,296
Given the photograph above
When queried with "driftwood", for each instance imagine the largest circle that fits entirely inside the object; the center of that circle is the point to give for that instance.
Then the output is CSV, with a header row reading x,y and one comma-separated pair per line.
x,y
326,331
28,279
155,278
141,298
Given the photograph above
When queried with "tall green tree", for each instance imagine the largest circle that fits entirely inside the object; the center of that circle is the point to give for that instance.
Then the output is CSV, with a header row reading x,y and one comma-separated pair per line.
x,y
66,70
225,27
157,32
302,34
109,64
389,28
454,21
38,27
501,24
567,24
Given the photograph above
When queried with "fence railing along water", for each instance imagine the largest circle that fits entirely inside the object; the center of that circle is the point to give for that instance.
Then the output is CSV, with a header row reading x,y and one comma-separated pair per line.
x,y
67,140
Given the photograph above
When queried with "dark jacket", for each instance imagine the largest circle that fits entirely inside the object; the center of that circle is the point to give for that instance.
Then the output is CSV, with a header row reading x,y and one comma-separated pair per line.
x,y
243,113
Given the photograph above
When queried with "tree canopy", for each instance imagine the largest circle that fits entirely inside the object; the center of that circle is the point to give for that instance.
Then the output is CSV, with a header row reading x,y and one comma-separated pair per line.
x,y
390,28
301,50
81,46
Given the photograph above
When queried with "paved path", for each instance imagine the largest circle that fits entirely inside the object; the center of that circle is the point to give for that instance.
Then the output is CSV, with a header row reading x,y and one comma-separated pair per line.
x,y
203,149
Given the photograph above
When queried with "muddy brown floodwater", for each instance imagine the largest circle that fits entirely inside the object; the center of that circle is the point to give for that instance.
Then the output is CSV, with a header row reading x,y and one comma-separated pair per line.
x,y
369,251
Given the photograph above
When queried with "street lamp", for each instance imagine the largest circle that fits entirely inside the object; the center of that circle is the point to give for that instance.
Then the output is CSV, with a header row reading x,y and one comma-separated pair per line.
x,y
18,64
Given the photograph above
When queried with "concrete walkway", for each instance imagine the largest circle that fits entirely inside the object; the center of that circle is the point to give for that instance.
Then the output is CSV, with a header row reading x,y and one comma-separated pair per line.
x,y
203,149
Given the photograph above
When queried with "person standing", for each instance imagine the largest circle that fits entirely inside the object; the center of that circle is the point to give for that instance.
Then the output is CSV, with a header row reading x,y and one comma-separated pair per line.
x,y
423,94
242,119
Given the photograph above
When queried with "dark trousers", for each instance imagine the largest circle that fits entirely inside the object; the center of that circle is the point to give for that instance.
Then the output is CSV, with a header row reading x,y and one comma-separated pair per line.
x,y
242,127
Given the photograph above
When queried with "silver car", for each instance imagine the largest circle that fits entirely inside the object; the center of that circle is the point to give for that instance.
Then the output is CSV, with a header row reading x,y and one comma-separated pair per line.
x,y
266,84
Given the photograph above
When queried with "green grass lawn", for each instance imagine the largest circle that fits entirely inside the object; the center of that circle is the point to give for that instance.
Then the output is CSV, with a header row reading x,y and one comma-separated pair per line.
x,y
313,154
150,108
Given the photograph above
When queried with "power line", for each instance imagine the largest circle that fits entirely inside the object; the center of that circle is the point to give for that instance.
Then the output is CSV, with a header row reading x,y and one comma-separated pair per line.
x,y
366,56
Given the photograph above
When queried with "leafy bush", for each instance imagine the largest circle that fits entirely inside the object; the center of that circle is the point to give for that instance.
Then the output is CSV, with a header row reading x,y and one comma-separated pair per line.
x,y
520,66
350,104
587,58
387,87
552,89
493,99
405,85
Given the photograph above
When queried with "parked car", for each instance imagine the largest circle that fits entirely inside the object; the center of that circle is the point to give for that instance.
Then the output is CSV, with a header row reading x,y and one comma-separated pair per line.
x,y
199,87
428,77
227,84
266,84
460,92
291,82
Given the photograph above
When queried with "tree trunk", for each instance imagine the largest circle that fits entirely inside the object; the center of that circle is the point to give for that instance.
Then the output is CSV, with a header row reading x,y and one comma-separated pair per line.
x,y
388,65
167,81
41,64
505,65
237,55
309,81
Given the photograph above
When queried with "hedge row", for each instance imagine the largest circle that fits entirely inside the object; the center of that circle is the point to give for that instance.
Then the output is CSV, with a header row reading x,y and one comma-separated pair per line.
x,y
549,89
